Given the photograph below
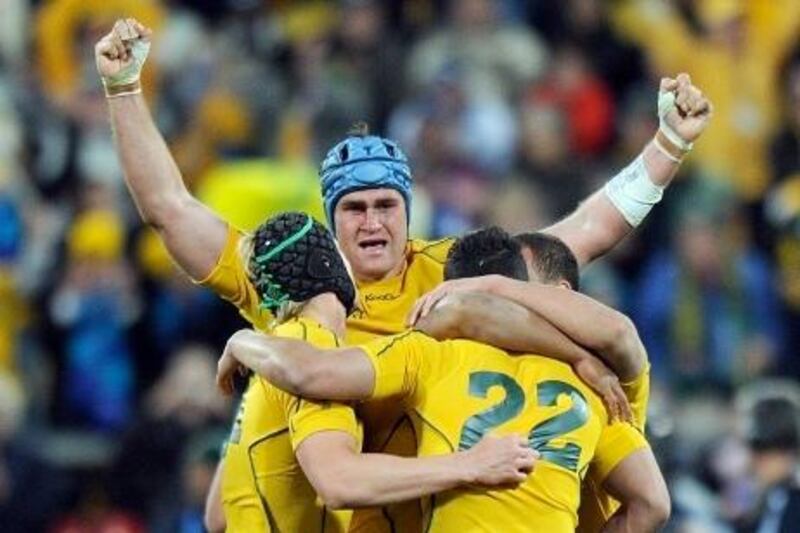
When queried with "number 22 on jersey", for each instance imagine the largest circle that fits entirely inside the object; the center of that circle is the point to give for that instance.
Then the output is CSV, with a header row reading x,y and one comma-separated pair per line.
x,y
539,437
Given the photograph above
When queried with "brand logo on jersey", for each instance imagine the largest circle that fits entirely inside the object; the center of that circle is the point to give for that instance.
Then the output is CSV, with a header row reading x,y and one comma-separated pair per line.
x,y
381,297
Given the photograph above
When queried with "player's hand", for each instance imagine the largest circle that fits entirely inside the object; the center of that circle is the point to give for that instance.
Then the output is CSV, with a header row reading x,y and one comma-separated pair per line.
x,y
497,461
683,109
228,365
120,54
428,301
605,383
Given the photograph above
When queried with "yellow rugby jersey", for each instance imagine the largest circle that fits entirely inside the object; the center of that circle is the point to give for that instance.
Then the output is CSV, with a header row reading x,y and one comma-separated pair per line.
x,y
383,307
597,505
460,390
263,486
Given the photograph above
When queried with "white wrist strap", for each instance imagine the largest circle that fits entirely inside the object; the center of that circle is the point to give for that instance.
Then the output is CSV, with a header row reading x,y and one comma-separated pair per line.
x,y
129,75
632,192
666,153
666,103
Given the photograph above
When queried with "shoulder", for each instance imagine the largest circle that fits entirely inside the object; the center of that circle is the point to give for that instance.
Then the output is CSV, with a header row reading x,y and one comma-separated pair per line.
x,y
293,328
408,343
435,251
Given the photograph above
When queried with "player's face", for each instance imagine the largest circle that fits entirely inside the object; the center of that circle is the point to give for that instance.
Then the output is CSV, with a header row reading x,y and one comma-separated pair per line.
x,y
371,227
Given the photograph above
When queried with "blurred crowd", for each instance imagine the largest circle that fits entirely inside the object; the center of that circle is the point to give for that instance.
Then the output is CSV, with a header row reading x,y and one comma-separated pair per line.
x,y
511,112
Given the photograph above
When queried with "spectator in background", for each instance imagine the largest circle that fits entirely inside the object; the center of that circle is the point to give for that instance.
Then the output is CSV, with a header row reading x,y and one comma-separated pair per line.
x,y
65,27
462,146
772,433
773,212
735,53
444,124
178,311
706,309
567,118
94,305
785,146
65,30
782,208
544,158
497,58
28,486
198,463
586,25
147,471
13,308
365,53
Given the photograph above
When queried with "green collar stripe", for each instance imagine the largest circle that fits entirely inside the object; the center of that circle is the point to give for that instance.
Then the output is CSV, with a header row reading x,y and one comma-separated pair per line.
x,y
262,259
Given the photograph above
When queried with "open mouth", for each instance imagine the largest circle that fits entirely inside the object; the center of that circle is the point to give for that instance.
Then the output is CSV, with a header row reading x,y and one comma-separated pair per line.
x,y
373,244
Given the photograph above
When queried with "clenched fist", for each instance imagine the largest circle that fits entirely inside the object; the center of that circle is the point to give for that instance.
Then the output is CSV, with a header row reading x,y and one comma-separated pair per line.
x,y
683,111
120,56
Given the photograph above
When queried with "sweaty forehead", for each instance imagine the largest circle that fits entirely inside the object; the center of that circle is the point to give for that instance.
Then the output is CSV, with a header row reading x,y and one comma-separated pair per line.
x,y
371,196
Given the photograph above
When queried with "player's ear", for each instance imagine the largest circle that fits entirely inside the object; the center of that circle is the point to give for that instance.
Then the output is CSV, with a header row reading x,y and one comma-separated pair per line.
x,y
564,284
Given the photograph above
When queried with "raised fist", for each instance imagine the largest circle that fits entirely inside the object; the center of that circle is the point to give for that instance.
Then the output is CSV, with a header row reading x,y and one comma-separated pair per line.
x,y
683,110
120,56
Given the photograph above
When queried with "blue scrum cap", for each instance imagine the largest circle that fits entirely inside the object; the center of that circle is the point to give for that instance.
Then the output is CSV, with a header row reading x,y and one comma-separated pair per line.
x,y
362,162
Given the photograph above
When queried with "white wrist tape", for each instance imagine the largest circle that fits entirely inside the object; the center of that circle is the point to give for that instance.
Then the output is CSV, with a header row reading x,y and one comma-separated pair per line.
x,y
666,103
130,74
632,192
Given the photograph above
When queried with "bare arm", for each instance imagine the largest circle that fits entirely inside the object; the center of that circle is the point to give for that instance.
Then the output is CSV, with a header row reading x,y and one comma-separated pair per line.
x,y
501,322
192,233
345,478
597,226
214,517
588,322
592,325
599,223
637,483
297,367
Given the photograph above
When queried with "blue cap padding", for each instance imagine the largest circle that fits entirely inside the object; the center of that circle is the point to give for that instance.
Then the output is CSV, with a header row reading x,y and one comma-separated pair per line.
x,y
358,163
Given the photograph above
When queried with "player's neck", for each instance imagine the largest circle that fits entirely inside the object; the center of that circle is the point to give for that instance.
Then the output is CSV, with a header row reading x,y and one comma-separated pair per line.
x,y
328,311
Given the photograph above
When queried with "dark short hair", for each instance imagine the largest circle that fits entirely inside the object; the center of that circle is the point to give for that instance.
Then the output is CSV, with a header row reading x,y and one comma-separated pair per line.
x,y
486,251
552,259
773,426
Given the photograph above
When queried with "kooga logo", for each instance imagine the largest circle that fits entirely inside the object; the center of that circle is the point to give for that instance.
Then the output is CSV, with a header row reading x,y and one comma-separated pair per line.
x,y
382,297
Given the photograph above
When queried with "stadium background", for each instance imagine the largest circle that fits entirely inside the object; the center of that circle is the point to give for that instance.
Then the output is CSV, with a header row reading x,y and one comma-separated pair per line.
x,y
511,111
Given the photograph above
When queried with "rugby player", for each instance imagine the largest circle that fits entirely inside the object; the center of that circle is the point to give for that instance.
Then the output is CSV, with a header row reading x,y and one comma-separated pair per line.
x,y
303,280
458,391
551,266
366,185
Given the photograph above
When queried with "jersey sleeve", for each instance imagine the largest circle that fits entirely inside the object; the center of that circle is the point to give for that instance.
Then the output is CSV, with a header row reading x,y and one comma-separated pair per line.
x,y
305,417
310,417
617,441
400,363
230,281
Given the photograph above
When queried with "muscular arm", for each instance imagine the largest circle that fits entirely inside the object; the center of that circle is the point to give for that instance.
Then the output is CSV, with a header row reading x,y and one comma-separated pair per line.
x,y
299,368
500,322
345,478
192,233
586,321
637,483
597,226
